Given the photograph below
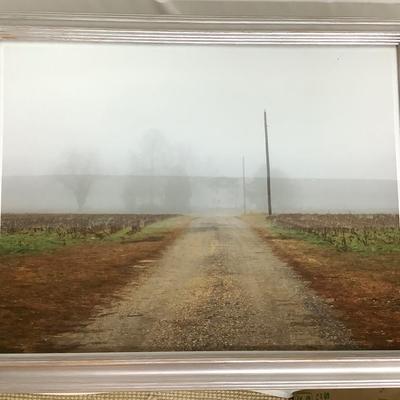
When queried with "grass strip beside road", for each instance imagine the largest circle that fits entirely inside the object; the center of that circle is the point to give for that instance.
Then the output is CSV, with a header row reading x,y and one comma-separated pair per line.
x,y
31,242
361,287
365,240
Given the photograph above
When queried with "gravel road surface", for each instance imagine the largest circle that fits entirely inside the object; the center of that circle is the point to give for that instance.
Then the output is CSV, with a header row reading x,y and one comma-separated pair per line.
x,y
218,287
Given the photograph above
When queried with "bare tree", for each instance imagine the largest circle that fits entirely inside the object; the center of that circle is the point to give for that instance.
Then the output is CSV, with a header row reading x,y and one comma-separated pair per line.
x,y
78,175
143,191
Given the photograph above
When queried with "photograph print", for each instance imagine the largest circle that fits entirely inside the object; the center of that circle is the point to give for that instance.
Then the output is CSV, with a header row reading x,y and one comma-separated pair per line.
x,y
199,198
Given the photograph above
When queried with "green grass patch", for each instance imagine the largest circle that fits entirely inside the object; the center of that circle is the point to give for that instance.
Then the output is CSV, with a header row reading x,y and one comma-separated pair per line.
x,y
285,233
22,243
365,240
38,242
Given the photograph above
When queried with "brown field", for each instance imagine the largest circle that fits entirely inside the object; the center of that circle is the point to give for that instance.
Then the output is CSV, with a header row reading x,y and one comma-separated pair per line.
x,y
361,283
50,292
349,221
76,223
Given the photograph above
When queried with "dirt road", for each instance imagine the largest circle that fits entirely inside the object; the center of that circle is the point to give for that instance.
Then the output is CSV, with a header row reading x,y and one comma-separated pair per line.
x,y
218,287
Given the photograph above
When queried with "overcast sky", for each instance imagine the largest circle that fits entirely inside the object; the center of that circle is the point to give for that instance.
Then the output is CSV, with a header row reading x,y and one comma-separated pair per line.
x,y
331,110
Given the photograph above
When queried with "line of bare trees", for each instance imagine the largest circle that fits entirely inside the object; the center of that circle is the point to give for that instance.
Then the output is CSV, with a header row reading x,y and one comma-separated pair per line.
x,y
144,191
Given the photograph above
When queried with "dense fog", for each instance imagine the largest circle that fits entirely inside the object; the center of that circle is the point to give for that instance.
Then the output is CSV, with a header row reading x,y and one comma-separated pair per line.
x,y
125,128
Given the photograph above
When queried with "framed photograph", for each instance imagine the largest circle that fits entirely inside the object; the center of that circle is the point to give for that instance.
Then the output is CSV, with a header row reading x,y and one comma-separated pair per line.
x,y
199,195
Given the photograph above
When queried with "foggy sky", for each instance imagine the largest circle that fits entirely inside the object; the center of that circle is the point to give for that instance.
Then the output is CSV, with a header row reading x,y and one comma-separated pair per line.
x,y
331,109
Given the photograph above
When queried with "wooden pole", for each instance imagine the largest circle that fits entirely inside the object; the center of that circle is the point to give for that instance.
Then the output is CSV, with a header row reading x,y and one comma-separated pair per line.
x,y
397,130
269,199
1,125
244,184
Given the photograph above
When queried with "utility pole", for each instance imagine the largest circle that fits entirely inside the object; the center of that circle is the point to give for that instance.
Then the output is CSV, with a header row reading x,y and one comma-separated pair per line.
x,y
244,184
1,119
397,133
269,200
